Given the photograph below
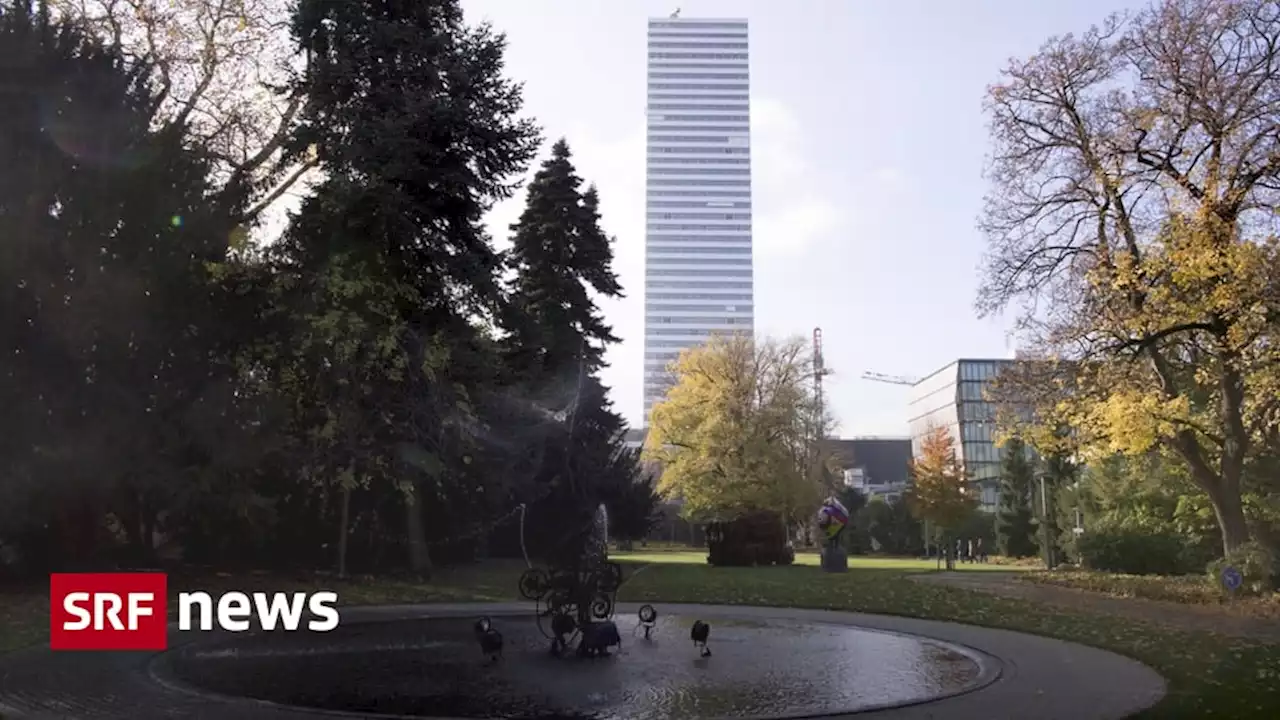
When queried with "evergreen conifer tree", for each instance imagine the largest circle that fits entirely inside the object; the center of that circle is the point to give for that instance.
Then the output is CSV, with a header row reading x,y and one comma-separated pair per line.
x,y
558,336
114,341
1014,525
389,270
1060,472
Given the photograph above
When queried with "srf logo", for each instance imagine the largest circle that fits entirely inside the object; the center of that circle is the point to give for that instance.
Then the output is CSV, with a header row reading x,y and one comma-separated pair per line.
x,y
108,611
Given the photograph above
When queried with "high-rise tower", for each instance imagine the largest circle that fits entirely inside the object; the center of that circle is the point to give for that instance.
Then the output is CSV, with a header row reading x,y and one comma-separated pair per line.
x,y
698,190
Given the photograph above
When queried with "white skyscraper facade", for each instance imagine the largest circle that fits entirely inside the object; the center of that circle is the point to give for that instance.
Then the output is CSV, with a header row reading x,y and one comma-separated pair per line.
x,y
698,273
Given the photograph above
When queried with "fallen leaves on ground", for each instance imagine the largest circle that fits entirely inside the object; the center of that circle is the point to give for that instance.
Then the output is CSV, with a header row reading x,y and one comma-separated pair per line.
x,y
1186,589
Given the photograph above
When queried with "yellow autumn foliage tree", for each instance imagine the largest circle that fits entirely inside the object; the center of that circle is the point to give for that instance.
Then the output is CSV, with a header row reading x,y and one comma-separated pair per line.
x,y
940,490
739,430
1131,218
1193,370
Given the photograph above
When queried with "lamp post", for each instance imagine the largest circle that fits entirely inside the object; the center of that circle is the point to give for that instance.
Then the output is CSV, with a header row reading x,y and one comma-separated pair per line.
x,y
1079,526
931,545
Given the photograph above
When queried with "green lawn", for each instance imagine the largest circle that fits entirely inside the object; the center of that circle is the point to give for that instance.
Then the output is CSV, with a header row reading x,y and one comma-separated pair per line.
x,y
1209,675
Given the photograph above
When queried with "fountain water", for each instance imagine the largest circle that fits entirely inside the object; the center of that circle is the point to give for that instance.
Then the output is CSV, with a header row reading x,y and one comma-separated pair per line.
x,y
596,552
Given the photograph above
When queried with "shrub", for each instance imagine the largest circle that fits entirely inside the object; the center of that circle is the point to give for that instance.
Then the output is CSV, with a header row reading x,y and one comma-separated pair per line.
x,y
788,556
1257,566
1133,550
754,539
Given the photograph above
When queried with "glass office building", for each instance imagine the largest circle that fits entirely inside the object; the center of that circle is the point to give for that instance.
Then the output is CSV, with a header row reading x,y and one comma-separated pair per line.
x,y
698,191
954,398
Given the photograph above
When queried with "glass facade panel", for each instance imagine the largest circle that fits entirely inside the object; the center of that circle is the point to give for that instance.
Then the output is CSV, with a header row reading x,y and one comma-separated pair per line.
x,y
971,390
955,398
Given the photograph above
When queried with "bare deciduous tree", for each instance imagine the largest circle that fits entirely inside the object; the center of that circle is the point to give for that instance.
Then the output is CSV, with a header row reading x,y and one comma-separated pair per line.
x,y
222,67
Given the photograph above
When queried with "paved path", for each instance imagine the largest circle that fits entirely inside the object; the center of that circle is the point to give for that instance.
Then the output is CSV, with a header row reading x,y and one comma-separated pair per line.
x,y
1185,617
1039,677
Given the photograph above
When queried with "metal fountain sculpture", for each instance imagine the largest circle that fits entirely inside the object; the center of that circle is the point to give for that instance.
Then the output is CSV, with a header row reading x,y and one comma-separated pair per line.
x,y
489,638
575,600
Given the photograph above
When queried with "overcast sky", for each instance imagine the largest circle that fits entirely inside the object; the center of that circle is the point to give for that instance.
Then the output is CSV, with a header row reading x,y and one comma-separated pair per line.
x,y
868,146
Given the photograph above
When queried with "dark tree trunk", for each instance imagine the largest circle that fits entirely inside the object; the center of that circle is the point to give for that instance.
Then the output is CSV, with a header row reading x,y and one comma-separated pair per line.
x,y
137,518
147,530
1222,488
416,535
77,529
1223,484
1229,511
131,520
344,531
1227,505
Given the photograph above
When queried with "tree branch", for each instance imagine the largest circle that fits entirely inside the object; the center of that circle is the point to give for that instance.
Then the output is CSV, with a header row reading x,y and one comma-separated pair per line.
x,y
279,190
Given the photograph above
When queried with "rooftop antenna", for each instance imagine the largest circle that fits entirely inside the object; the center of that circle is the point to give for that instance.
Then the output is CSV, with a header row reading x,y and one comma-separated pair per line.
x,y
675,14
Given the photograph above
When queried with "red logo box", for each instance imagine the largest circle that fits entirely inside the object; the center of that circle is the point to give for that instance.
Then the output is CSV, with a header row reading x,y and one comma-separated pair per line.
x,y
108,611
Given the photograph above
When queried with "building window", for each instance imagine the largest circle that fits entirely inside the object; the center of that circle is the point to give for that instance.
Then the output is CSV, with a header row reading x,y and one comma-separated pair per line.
x,y
977,412
989,496
977,452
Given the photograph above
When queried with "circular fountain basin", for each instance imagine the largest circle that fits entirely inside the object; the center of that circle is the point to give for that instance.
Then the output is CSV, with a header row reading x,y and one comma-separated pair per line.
x,y
434,668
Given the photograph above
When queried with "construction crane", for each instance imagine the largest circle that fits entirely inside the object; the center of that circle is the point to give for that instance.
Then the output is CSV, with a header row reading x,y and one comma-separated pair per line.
x,y
891,379
819,371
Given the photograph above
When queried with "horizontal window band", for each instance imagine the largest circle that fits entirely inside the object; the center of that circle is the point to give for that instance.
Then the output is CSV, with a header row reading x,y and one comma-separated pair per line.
x,y
737,97
702,170
664,44
720,205
741,87
694,284
693,32
697,185
712,213
672,72
705,275
696,164
659,151
713,307
717,195
729,297
682,118
698,249
682,23
698,56
654,134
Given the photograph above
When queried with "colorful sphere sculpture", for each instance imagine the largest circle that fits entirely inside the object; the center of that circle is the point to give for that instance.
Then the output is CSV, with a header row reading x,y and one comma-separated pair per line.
x,y
832,517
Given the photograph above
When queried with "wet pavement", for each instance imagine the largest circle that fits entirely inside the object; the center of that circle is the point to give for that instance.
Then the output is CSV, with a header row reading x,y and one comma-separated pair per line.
x,y
1029,676
434,668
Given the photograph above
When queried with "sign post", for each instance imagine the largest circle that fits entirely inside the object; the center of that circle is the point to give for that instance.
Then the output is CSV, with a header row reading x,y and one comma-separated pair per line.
x,y
1231,579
